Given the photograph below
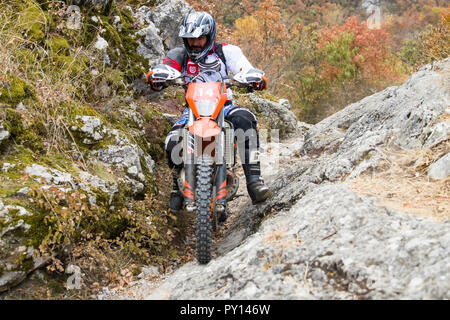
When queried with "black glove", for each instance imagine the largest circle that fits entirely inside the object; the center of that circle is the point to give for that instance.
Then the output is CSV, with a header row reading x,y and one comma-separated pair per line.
x,y
157,84
261,84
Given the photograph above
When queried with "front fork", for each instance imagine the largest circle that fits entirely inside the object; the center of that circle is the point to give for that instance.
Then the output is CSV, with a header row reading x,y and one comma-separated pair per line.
x,y
189,156
220,180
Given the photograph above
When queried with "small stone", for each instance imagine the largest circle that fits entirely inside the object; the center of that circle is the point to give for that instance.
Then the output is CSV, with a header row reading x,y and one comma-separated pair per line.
x,y
133,171
23,192
4,134
7,166
74,20
101,43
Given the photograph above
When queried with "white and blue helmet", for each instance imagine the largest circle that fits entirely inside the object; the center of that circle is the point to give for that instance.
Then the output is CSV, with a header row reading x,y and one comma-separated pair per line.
x,y
195,25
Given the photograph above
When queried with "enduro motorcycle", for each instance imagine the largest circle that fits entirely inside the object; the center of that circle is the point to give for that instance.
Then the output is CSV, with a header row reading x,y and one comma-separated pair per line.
x,y
208,147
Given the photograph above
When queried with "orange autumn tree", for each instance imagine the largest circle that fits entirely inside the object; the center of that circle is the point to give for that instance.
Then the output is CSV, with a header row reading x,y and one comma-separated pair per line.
x,y
342,64
354,52
263,37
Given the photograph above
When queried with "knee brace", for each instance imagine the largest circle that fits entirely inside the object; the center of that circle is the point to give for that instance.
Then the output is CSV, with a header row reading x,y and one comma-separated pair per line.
x,y
247,137
172,140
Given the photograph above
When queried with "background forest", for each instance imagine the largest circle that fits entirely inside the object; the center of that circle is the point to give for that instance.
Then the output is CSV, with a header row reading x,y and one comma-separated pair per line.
x,y
323,55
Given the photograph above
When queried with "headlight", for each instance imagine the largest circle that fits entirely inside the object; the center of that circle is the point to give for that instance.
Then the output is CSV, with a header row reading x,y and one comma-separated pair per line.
x,y
205,107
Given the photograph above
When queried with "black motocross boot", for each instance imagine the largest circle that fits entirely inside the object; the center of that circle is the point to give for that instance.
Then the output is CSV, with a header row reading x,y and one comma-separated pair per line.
x,y
176,197
256,188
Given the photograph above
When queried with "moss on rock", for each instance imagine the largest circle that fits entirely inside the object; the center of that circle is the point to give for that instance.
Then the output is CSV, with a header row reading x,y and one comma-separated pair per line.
x,y
15,90
59,46
30,136
32,18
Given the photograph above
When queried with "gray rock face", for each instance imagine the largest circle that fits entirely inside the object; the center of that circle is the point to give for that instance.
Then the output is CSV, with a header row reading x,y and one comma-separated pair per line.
x,y
51,176
4,134
13,251
168,17
279,115
161,28
332,244
441,168
152,48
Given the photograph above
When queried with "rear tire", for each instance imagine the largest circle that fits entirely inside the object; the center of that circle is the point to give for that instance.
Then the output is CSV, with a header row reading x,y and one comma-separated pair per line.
x,y
203,227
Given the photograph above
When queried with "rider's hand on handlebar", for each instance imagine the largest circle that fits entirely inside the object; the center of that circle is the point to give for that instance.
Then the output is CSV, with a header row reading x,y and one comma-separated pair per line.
x,y
259,85
157,84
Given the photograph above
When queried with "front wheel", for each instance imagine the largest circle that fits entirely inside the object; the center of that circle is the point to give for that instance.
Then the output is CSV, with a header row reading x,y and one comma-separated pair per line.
x,y
203,228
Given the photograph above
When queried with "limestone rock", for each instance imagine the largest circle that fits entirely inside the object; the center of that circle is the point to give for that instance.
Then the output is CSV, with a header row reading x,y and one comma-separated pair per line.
x,y
4,134
436,134
125,157
279,115
400,115
441,168
101,44
167,17
14,254
7,166
152,47
92,129
51,176
74,17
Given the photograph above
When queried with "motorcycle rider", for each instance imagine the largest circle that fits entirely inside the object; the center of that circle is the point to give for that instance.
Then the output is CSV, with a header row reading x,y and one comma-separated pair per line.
x,y
198,31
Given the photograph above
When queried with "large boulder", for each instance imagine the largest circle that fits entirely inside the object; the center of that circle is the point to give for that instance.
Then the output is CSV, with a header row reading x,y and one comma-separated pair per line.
x,y
152,48
160,28
168,17
17,257
278,115
349,140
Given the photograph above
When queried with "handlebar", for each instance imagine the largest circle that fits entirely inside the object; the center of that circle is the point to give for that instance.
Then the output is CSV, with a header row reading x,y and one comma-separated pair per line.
x,y
170,76
183,84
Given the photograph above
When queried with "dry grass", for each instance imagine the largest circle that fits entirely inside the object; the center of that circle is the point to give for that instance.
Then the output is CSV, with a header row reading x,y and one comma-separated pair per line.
x,y
401,183
56,86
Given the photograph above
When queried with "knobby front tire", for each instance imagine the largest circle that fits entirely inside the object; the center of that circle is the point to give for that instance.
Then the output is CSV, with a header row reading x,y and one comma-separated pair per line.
x,y
203,227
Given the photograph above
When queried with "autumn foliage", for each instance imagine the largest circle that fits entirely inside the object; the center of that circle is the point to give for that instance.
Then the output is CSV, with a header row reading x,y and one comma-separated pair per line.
x,y
321,54
353,50
263,37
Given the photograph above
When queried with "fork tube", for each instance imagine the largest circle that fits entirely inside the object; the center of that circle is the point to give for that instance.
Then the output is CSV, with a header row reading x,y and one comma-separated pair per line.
x,y
221,176
221,184
189,169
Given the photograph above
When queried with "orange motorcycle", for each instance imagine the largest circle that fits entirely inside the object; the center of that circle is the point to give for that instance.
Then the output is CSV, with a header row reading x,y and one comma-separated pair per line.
x,y
208,147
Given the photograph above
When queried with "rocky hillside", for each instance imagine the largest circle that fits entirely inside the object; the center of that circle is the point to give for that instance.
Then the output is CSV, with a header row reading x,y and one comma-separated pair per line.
x,y
361,199
361,210
83,177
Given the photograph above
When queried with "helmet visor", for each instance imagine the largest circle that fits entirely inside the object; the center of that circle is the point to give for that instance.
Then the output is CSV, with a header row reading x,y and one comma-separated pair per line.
x,y
191,31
